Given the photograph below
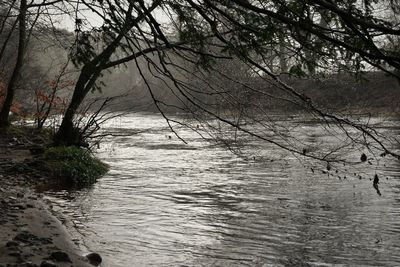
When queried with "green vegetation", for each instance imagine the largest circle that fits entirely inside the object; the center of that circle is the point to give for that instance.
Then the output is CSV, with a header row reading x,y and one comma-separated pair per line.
x,y
35,156
74,165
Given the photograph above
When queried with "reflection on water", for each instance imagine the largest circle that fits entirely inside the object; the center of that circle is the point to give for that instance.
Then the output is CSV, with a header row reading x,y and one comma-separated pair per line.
x,y
168,204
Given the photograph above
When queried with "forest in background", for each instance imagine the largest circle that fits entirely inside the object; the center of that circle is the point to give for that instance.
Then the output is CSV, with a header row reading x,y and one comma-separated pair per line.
x,y
374,92
233,61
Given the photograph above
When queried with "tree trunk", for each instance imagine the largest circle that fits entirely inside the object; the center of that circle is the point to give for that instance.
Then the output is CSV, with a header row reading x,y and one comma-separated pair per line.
x,y
282,54
4,114
312,56
67,135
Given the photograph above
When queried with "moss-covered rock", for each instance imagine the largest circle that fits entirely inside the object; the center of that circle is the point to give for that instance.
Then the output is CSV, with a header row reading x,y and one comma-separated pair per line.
x,y
73,165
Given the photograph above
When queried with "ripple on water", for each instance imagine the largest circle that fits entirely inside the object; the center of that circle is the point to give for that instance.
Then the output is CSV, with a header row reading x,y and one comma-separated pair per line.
x,y
165,203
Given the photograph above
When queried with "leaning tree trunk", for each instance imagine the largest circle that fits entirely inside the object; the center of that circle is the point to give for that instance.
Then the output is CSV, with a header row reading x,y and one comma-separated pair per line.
x,y
4,114
67,135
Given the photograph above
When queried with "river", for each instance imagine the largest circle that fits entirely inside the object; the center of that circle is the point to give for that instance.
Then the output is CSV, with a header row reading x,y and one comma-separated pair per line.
x,y
165,203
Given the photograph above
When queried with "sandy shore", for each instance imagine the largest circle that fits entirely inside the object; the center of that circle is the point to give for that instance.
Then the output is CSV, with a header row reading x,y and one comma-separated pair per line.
x,y
29,234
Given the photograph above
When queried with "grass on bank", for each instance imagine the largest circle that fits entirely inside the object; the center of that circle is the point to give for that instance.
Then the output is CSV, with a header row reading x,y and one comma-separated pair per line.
x,y
72,166
76,166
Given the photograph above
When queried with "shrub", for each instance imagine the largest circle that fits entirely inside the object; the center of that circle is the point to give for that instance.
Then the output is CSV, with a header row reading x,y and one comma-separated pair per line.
x,y
74,165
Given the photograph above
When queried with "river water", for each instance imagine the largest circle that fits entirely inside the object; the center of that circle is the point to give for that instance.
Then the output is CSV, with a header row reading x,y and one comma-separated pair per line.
x,y
165,203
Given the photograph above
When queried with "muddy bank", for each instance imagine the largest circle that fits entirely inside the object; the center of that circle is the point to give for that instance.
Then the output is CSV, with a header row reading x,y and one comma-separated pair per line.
x,y
29,233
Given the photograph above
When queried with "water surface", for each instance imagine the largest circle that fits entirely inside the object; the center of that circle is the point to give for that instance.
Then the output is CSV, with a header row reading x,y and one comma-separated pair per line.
x,y
165,203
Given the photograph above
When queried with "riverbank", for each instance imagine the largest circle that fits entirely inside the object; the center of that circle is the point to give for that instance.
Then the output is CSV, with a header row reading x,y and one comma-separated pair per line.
x,y
29,233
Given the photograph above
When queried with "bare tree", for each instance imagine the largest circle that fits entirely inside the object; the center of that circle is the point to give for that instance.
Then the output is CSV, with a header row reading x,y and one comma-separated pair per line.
x,y
319,34
25,18
4,113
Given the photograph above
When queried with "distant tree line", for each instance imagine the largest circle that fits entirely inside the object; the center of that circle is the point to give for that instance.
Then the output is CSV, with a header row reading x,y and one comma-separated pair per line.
x,y
181,44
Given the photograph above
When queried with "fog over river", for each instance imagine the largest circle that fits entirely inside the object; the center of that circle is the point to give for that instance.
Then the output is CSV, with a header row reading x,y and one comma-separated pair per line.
x,y
165,203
